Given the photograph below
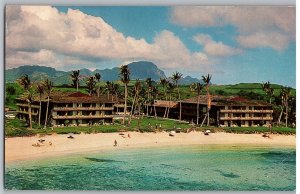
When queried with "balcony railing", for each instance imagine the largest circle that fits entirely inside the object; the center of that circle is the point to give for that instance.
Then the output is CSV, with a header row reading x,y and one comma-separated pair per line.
x,y
81,108
82,116
26,105
245,111
26,112
246,118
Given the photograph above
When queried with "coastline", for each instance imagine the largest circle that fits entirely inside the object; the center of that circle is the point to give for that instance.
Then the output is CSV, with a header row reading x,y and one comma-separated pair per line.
x,y
21,148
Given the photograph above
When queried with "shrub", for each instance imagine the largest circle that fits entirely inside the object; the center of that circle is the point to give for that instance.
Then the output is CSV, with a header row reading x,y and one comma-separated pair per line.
x,y
10,90
18,133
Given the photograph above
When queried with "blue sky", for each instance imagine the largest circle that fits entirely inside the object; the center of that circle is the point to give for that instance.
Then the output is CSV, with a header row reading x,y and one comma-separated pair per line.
x,y
235,44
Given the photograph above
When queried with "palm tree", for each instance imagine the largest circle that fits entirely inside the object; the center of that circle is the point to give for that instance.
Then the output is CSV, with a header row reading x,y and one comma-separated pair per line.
x,y
285,95
164,84
206,79
136,90
91,85
154,94
149,88
40,90
98,78
197,87
170,90
75,78
25,83
108,88
28,97
115,90
176,77
124,75
48,89
268,90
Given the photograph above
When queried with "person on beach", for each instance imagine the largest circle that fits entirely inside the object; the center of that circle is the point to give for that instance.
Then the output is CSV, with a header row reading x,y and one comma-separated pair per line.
x,y
128,135
116,143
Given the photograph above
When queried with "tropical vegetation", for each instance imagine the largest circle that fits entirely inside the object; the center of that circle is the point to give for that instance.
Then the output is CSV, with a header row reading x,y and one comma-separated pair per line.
x,y
139,95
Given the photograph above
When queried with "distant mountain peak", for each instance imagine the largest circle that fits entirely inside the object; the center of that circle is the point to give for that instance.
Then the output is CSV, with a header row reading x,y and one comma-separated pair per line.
x,y
138,70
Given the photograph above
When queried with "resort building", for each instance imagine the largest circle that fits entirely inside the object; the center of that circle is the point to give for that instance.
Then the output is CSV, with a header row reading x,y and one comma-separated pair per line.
x,y
71,108
228,111
225,111
23,110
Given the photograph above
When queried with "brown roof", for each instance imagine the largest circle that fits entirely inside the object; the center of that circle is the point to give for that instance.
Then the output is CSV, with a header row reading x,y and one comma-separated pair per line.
x,y
73,97
203,99
165,103
78,97
226,101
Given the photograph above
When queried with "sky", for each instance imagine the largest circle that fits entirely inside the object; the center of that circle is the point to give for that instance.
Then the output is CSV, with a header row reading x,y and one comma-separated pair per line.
x,y
236,44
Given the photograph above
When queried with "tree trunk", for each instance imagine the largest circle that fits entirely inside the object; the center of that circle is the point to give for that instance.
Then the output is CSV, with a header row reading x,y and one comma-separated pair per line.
x,y
198,99
286,113
46,118
155,111
98,91
208,118
132,106
165,114
40,108
179,102
208,104
148,103
168,107
279,118
77,85
30,115
125,106
139,122
203,120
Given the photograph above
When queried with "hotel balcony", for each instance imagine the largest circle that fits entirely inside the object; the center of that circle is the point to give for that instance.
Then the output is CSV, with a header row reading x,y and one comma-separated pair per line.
x,y
247,118
245,111
26,105
26,112
82,116
81,108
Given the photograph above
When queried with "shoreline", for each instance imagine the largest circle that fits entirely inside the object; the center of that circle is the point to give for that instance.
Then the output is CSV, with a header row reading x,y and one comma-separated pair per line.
x,y
21,148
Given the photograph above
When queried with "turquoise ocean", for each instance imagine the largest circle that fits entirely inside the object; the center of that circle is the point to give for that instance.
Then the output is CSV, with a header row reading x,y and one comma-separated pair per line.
x,y
180,168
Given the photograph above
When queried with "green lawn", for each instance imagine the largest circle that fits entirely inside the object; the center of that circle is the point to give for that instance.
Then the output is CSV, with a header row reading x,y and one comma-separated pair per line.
x,y
15,127
279,130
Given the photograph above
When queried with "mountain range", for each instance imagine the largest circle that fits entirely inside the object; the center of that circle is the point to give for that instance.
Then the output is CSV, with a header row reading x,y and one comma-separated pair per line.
x,y
138,70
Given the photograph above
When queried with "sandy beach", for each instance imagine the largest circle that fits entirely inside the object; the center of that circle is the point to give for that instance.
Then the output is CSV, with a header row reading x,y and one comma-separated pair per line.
x,y
21,148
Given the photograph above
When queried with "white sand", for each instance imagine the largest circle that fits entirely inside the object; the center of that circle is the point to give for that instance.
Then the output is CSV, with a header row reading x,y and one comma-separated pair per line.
x,y
20,148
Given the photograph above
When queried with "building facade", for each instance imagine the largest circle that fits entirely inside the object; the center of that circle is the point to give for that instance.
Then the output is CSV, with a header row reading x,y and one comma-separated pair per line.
x,y
70,108
231,111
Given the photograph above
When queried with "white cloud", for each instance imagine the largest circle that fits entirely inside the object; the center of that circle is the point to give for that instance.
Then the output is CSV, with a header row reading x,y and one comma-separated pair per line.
x,y
42,57
77,38
213,48
248,20
274,40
